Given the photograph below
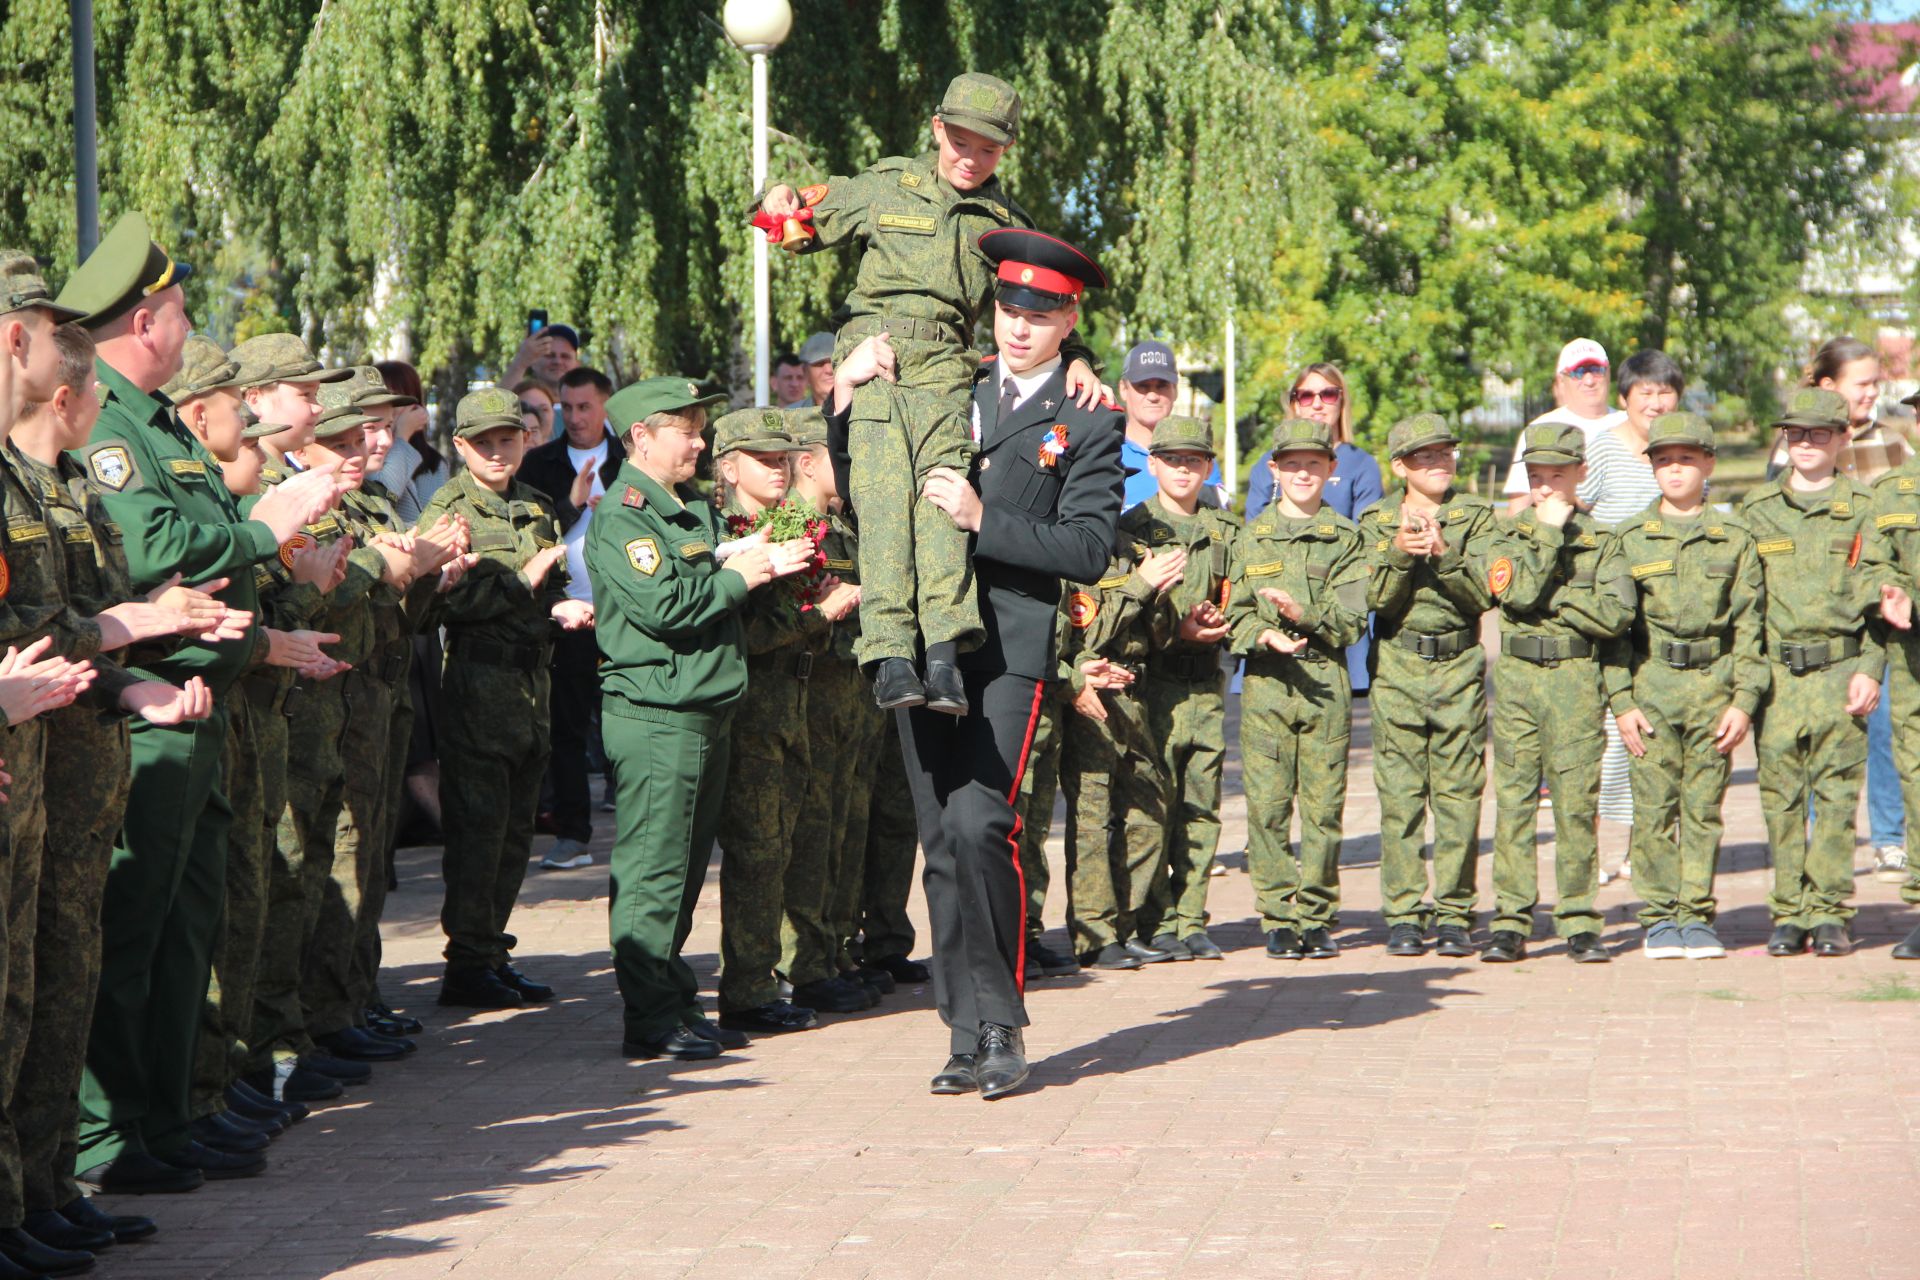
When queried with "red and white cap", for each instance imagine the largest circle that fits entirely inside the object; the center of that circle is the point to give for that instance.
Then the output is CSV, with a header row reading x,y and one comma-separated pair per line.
x,y
1581,351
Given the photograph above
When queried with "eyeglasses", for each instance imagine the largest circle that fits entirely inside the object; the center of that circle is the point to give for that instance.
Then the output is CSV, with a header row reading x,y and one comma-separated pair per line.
x,y
1580,372
1186,461
1439,456
1808,435
1325,395
537,410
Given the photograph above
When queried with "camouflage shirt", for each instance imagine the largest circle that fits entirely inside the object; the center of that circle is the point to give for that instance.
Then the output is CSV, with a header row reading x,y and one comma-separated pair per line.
x,y
1318,561
1425,594
1824,563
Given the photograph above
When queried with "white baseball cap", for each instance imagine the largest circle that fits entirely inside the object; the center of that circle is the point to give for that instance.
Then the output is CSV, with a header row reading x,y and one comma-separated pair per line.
x,y
1581,351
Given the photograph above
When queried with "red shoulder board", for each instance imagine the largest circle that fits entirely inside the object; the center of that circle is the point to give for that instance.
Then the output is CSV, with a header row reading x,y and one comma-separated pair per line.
x,y
633,498
813,195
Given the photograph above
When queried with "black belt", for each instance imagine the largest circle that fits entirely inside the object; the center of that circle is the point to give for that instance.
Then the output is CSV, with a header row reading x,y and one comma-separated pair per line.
x,y
1433,648
797,665
905,327
521,657
1264,659
1193,667
1544,651
1688,655
1802,658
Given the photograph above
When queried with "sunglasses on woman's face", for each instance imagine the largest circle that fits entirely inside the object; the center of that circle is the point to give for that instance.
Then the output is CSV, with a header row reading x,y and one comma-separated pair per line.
x,y
1325,395
537,410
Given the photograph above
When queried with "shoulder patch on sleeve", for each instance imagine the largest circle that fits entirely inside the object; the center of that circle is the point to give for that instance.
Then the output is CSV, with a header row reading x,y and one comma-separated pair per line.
x,y
112,466
1499,575
644,555
1082,609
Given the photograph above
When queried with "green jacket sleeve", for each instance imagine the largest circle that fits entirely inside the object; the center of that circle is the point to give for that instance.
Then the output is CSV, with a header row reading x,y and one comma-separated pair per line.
x,y
161,542
1336,609
668,604
1747,612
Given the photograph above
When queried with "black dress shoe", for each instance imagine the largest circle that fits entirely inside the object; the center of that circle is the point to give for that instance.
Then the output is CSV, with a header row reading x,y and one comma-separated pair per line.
x,y
1318,944
873,977
50,1227
337,1068
956,1077
530,991
394,1038
1172,945
721,1036
1146,954
1452,940
830,995
243,1096
248,1124
1908,948
1506,946
10,1271
289,1082
946,691
1284,944
262,1116
1832,940
25,1250
676,1042
126,1228
1787,940
213,1132
1201,947
135,1173
406,1026
773,1018
1113,956
478,989
1000,1060
897,684
354,1045
908,972
1044,962
1405,940
215,1165
1586,948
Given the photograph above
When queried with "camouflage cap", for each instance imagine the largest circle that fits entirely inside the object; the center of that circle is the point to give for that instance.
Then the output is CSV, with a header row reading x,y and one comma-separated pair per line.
x,y
280,357
362,389
22,285
1417,433
204,367
807,426
638,401
1680,428
340,419
483,410
1296,434
255,428
1554,444
752,430
983,103
1182,435
1815,407
125,268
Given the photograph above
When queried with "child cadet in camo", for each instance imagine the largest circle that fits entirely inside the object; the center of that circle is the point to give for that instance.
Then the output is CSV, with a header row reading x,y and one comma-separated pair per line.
x,y
1896,504
1429,687
1297,599
1687,685
1556,614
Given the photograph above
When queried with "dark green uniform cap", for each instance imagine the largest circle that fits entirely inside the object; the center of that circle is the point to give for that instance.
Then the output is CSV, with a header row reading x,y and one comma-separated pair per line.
x,y
1419,432
1182,435
752,430
1816,407
340,419
1302,433
807,426
638,401
481,411
125,269
1554,444
22,285
280,357
983,103
1680,428
204,367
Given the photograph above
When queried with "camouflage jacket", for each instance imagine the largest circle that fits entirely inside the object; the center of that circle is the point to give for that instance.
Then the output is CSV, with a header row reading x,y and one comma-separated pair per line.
x,y
1319,562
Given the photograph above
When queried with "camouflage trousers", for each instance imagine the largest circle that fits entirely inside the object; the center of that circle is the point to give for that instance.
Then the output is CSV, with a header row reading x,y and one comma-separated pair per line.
x,y
823,877
366,955
1903,702
766,790
888,838
1186,733
493,753
278,1022
1429,752
26,823
227,1013
1811,751
316,792
916,573
1547,723
1677,789
1111,776
1295,721
1038,789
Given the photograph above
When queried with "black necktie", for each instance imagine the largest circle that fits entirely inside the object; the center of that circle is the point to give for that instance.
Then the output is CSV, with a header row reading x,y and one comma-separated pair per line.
x,y
1009,394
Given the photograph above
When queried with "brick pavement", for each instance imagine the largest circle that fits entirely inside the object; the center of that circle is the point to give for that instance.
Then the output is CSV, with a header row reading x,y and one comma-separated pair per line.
x,y
1359,1117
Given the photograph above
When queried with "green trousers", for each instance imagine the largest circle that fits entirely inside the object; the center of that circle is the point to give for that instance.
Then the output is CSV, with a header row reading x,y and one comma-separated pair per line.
x,y
1429,753
765,792
1547,724
1038,789
367,952
1811,750
227,1013
840,735
279,1021
670,780
1186,734
1677,789
1295,722
888,843
1114,850
20,871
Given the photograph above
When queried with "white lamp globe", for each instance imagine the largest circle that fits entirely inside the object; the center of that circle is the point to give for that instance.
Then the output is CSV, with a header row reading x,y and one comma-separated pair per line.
x,y
757,25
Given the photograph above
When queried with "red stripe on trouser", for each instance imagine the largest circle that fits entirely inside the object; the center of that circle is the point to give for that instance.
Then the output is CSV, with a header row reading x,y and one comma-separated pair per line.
x,y
1013,837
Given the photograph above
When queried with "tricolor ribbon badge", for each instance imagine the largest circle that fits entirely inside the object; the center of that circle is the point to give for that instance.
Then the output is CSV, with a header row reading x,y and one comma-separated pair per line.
x,y
1054,445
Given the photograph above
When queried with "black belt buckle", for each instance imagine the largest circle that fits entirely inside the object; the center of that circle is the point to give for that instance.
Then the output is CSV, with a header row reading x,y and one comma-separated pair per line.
x,y
1800,657
803,667
1678,654
1427,647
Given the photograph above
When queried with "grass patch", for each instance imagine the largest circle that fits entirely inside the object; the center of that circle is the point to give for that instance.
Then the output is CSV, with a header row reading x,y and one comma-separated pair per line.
x,y
1726,993
1884,990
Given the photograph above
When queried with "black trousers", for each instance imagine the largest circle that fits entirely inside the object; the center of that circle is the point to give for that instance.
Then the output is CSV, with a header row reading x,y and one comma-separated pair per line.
x,y
965,776
575,670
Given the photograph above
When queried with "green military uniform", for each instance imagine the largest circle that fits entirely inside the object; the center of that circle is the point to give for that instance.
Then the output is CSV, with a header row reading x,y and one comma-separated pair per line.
x,y
1556,615
1429,695
1824,563
1694,651
1296,709
1896,504
493,742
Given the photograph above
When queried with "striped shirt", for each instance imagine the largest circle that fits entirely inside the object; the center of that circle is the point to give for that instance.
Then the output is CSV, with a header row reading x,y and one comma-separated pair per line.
x,y
1619,483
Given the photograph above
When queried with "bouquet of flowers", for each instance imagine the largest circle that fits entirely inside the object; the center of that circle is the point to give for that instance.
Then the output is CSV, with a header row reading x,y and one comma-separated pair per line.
x,y
794,518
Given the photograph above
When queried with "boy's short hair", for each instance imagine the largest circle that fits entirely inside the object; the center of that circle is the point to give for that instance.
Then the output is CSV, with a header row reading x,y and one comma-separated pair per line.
x,y
76,349
1656,367
585,376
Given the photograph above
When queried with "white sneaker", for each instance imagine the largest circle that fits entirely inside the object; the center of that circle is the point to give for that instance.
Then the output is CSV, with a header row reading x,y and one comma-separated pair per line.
x,y
1217,869
566,855
1890,864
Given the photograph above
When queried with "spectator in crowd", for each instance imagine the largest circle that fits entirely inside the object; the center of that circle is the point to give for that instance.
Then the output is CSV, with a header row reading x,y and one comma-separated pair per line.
x,y
1580,385
789,382
537,399
1148,386
817,355
549,355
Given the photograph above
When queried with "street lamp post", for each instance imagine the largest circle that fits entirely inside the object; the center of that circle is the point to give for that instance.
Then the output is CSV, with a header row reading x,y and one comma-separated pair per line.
x,y
758,27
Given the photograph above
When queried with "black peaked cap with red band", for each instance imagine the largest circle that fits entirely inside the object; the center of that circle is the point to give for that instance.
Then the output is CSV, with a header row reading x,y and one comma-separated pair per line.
x,y
1037,270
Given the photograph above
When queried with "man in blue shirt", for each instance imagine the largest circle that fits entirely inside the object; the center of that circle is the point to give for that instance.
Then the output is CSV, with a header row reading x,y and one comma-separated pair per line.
x,y
1148,386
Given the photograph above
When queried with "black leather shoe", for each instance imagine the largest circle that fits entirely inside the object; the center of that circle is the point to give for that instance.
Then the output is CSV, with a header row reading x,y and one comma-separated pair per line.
x,y
211,1131
530,991
1787,940
719,1035
125,1228
9,1271
910,973
1113,956
1908,948
946,691
51,1228
1201,947
678,1042
394,1038
1831,940
1172,945
830,995
135,1173
773,1018
955,1077
247,1124
39,1258
897,684
1452,940
1506,946
217,1166
1145,954
1586,948
404,1026
351,1044
1405,940
1044,962
872,977
1284,944
1000,1060
244,1096
337,1068
478,989
261,1116
1318,944
291,1082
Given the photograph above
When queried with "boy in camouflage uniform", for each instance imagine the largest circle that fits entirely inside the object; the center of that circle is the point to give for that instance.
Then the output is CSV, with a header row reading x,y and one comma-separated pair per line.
x,y
1556,614
1896,503
1297,599
1429,687
1692,677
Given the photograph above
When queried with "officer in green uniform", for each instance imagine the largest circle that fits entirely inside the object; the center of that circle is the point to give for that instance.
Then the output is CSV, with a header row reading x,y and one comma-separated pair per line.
x,y
1298,598
1692,677
1896,503
675,668
1426,546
